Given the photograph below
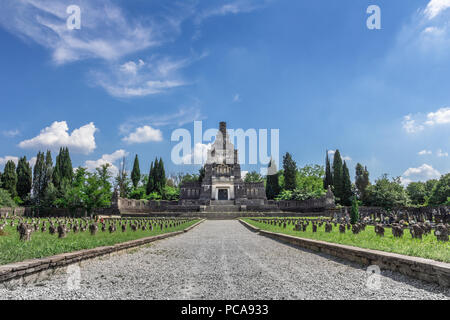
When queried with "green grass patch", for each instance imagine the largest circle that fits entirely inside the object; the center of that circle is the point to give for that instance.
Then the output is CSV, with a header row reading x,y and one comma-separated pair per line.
x,y
45,245
429,247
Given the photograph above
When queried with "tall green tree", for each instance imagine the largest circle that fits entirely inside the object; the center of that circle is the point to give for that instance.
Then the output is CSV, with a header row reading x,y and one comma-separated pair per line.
x,y
361,181
417,193
387,193
39,179
9,178
161,178
347,186
354,213
253,176
290,172
151,179
328,179
338,177
24,178
136,172
272,183
441,191
63,170
48,169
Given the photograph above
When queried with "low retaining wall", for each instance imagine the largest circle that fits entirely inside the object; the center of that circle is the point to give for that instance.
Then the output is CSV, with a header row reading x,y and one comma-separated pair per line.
x,y
419,268
34,270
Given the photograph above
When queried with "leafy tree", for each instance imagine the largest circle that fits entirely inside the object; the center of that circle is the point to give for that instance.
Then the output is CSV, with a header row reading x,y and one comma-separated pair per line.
x,y
354,213
24,178
122,180
136,172
347,186
328,179
338,177
38,179
272,184
386,193
63,170
441,191
9,178
417,193
171,193
361,181
290,172
160,178
5,199
253,176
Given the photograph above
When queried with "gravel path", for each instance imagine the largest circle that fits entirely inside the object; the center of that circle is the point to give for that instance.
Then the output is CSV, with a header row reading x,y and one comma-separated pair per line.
x,y
224,260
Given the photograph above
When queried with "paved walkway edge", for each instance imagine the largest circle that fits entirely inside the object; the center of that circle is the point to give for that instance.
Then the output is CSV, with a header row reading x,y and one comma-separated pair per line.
x,y
35,270
415,267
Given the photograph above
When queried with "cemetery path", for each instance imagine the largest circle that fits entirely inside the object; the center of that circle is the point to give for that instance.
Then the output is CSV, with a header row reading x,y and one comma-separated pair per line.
x,y
224,260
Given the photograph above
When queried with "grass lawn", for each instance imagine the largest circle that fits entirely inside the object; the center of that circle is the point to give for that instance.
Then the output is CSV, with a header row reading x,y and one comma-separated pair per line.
x,y
428,247
44,245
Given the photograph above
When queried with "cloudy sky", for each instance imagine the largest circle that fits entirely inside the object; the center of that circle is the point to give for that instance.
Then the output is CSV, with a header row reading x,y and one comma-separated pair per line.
x,y
137,70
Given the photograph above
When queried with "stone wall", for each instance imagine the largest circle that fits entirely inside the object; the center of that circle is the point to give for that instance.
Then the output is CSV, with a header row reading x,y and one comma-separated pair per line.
x,y
19,211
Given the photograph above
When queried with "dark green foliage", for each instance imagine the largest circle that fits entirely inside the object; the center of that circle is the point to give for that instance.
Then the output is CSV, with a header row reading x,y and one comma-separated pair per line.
x,y
136,172
38,179
24,178
417,193
338,177
253,177
63,170
354,213
157,178
441,191
347,186
272,183
290,172
201,174
328,179
5,199
386,193
9,178
361,181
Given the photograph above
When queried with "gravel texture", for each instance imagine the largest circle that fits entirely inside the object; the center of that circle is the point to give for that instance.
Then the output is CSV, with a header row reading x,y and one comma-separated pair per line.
x,y
224,260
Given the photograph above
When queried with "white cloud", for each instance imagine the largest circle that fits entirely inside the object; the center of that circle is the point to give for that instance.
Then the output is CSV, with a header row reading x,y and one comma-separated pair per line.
x,y
435,7
110,159
81,140
144,134
410,125
346,158
441,153
140,79
231,7
106,32
179,118
442,116
4,160
199,154
418,122
423,173
424,152
11,133
236,98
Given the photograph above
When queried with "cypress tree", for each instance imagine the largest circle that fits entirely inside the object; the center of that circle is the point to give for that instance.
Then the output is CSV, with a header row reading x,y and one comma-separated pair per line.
x,y
161,178
338,176
63,170
272,183
9,178
24,178
48,170
328,179
354,213
136,173
38,178
290,172
347,186
362,181
150,183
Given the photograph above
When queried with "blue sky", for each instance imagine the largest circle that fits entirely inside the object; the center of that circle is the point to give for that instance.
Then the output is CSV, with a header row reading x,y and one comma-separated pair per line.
x,y
137,70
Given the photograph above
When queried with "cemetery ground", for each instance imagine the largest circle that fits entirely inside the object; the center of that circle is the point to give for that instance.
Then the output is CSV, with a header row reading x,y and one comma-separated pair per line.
x,y
43,244
428,247
224,260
